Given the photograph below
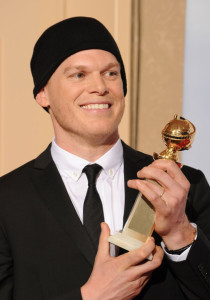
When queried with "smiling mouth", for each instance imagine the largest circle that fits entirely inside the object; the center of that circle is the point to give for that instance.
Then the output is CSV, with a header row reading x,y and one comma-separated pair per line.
x,y
96,106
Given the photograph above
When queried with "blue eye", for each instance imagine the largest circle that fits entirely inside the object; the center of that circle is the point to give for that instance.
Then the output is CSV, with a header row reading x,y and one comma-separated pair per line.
x,y
111,73
79,75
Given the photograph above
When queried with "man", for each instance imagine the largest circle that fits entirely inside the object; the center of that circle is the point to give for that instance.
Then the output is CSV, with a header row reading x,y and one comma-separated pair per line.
x,y
47,250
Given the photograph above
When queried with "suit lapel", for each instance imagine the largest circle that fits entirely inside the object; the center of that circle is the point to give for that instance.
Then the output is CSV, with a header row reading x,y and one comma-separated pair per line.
x,y
52,191
133,162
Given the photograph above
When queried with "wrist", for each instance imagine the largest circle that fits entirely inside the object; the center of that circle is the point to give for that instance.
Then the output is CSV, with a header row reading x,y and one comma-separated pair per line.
x,y
180,241
178,251
90,291
86,294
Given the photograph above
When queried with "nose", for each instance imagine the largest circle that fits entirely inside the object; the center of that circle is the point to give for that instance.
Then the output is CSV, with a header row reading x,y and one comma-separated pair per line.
x,y
97,85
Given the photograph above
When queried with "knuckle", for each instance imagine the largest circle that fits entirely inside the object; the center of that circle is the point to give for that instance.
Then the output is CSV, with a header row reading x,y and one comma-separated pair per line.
x,y
140,255
129,261
181,195
155,197
143,170
136,284
173,205
171,163
143,253
167,212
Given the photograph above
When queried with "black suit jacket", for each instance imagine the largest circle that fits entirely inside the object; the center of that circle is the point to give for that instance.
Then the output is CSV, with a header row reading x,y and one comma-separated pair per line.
x,y
45,253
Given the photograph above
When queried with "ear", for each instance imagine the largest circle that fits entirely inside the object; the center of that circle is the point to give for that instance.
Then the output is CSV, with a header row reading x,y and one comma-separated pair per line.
x,y
42,99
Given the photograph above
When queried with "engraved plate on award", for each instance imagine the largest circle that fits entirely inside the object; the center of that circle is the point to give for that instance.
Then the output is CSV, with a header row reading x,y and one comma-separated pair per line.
x,y
178,135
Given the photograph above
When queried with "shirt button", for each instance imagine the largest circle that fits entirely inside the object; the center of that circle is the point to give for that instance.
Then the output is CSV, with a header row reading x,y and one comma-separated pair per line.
x,y
75,174
111,172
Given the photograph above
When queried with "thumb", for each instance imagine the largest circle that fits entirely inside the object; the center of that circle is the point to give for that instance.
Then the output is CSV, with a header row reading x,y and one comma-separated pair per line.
x,y
103,247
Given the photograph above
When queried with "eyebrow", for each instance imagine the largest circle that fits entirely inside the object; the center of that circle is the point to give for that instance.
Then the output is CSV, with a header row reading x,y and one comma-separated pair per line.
x,y
84,67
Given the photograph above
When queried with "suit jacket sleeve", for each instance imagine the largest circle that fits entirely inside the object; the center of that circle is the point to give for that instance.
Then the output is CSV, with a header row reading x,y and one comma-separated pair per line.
x,y
193,274
6,268
74,294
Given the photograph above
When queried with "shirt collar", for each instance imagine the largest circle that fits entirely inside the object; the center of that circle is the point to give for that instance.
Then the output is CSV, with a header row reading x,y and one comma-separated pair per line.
x,y
70,165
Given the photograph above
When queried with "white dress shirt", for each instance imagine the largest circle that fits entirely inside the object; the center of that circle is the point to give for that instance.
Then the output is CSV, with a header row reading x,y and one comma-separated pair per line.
x,y
109,184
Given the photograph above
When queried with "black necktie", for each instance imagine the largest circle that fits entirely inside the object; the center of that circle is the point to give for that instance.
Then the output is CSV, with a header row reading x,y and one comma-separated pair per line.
x,y
92,210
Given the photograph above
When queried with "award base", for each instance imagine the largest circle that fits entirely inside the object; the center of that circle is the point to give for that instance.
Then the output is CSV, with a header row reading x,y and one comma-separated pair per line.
x,y
122,240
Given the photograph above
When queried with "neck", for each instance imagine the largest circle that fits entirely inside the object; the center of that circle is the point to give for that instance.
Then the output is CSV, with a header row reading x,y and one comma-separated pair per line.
x,y
88,150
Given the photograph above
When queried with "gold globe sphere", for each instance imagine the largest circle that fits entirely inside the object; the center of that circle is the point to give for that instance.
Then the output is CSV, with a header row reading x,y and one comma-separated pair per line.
x,y
178,135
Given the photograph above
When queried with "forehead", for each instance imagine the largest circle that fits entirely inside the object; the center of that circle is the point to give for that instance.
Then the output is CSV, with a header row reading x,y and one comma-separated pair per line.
x,y
89,57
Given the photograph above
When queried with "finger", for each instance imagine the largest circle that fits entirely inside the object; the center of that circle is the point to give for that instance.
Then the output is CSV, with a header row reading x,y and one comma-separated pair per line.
x,y
103,247
150,265
172,170
154,186
145,188
166,181
147,267
158,175
137,256
173,189
153,264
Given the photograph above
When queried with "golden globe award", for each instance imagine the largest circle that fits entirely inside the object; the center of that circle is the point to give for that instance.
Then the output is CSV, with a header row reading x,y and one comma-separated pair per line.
x,y
178,135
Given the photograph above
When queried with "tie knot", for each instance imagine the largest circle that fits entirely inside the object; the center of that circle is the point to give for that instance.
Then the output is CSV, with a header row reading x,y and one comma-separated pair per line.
x,y
91,172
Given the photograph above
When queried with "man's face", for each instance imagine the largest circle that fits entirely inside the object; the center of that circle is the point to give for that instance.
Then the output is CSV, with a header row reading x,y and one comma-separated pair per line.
x,y
85,97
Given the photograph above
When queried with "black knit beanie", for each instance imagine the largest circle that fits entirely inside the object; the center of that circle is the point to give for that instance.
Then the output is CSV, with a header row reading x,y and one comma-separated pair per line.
x,y
66,38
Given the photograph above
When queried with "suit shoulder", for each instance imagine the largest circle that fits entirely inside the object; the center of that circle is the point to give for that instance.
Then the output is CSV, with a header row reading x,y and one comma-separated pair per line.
x,y
22,172
193,175
16,173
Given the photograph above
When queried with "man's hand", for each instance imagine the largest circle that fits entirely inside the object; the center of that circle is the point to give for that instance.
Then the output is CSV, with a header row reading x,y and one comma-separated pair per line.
x,y
122,277
169,200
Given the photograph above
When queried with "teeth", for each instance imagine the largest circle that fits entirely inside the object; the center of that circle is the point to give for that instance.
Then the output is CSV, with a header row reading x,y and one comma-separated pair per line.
x,y
95,106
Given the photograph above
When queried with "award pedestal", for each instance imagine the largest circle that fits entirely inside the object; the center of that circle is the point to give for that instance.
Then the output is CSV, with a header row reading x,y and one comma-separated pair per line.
x,y
138,227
